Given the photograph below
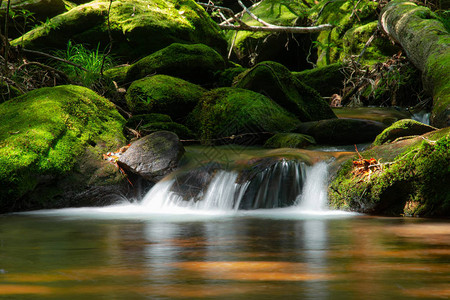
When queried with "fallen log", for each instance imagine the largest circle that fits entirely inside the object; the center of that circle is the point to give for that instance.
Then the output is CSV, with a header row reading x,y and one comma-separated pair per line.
x,y
427,45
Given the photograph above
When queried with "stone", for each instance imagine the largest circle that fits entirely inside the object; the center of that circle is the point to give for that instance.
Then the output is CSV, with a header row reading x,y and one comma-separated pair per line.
x,y
153,156
402,128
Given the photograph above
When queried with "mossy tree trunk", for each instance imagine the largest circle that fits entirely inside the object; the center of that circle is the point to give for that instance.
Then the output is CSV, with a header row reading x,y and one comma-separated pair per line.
x,y
427,45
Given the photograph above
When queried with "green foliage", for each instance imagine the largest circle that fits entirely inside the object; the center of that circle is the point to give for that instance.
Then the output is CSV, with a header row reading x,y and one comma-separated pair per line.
x,y
444,17
89,60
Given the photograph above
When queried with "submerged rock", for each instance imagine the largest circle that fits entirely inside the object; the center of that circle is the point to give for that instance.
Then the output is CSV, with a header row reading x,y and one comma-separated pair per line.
x,y
195,63
402,128
413,179
165,95
233,115
138,27
51,141
342,131
276,82
153,156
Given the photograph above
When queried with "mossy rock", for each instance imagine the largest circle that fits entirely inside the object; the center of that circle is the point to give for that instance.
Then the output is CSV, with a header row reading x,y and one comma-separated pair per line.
x,y
118,74
225,112
276,81
49,135
333,45
165,95
289,140
29,13
138,120
251,48
226,77
138,27
327,80
342,131
195,63
180,130
412,182
402,128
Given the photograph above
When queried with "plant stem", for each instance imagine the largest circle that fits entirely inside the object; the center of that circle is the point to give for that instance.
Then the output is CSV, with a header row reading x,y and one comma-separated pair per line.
x,y
8,5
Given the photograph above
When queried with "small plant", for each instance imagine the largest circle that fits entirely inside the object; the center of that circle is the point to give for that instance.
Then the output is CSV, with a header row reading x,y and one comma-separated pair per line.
x,y
90,60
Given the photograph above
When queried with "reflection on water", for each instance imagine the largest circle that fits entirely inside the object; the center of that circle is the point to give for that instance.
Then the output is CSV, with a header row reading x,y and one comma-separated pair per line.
x,y
267,254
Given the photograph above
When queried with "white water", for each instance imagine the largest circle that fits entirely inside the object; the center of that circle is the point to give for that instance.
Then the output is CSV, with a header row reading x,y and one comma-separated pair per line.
x,y
221,197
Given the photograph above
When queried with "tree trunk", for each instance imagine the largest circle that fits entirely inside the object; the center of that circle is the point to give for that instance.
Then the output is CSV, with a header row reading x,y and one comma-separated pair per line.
x,y
427,45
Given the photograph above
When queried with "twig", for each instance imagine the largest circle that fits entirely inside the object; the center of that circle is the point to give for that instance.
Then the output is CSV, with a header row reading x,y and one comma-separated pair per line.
x,y
240,14
369,41
253,15
54,57
110,39
8,5
286,29
226,10
34,63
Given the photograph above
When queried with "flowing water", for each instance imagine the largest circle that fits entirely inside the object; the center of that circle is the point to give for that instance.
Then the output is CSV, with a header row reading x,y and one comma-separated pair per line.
x,y
242,235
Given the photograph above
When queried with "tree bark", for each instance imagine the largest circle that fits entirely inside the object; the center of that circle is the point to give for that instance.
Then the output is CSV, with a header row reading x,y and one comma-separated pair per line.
x,y
427,45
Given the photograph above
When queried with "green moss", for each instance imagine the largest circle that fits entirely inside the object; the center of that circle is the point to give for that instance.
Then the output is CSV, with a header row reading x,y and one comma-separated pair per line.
x,y
138,27
225,112
327,80
163,94
43,132
277,82
340,13
182,131
195,63
414,183
138,120
289,140
226,77
402,128
118,74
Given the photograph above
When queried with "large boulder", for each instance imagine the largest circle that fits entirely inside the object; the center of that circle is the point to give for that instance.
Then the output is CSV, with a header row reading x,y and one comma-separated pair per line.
x,y
342,131
402,128
195,63
153,156
226,112
137,27
276,81
163,94
51,141
413,179
327,80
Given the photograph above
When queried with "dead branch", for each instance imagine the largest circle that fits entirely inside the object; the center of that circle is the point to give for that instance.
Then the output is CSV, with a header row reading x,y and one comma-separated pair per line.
x,y
267,26
53,57
48,68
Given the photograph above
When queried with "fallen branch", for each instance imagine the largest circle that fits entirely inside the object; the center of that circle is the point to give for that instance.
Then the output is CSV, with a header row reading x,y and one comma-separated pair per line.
x,y
48,68
53,57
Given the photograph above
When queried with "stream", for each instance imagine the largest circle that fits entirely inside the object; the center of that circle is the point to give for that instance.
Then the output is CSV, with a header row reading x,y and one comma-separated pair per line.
x,y
236,237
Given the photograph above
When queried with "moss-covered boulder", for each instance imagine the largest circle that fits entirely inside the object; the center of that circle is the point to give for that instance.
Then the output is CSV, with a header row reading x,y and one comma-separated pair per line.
x,y
138,120
195,63
289,140
24,14
163,94
138,27
276,81
402,128
226,77
180,130
342,131
290,50
51,144
327,80
413,179
228,112
354,25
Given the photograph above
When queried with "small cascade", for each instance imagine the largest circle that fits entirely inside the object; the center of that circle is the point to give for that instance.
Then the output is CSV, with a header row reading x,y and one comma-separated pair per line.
x,y
281,183
422,117
314,195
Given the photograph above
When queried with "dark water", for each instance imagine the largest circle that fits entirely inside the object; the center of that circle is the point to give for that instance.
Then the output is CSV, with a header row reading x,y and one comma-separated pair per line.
x,y
273,254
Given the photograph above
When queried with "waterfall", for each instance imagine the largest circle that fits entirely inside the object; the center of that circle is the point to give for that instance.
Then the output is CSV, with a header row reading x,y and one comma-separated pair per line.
x,y
279,184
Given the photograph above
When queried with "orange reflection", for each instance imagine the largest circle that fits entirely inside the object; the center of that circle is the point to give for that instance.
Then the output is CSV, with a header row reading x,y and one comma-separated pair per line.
x,y
12,289
254,270
436,291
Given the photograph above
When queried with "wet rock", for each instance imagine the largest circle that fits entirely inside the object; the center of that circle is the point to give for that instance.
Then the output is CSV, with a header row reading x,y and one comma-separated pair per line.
x,y
342,131
289,140
153,156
